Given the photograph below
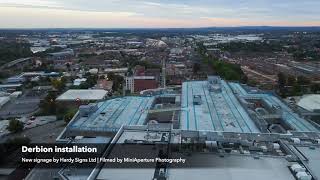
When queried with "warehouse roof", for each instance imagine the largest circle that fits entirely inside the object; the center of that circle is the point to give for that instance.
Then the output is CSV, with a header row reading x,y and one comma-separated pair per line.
x,y
288,115
112,114
4,100
205,110
310,102
83,94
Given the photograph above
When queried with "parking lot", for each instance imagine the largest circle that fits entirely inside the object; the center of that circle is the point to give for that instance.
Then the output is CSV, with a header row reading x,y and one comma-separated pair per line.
x,y
19,107
41,134
32,122
3,128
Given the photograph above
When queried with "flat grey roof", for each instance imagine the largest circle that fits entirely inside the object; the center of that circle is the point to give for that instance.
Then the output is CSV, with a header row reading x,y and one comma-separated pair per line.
x,y
217,112
10,85
124,174
83,94
121,151
234,167
202,164
313,156
288,115
114,113
310,102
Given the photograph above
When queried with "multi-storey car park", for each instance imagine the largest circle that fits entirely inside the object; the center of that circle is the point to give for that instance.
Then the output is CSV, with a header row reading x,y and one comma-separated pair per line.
x,y
236,132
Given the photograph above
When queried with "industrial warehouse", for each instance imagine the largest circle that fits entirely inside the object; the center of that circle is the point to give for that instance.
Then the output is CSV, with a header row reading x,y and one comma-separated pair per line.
x,y
216,127
212,105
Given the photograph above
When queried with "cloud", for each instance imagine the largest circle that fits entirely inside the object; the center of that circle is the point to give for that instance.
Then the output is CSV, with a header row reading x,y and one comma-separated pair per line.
x,y
160,13
30,3
59,18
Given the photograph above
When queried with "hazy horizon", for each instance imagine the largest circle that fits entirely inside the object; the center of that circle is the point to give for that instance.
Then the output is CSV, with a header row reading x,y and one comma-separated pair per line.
x,y
32,14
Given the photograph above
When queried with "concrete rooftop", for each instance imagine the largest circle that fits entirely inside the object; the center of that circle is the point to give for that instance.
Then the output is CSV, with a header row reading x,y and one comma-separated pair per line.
x,y
217,112
288,115
114,113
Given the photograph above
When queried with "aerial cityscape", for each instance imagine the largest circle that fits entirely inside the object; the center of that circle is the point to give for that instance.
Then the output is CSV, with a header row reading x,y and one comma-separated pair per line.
x,y
106,92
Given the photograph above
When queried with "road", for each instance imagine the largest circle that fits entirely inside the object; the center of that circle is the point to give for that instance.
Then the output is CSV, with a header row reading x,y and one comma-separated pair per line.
x,y
42,134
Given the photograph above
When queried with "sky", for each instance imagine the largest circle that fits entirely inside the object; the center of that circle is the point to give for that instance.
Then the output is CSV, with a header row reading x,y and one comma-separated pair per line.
x,y
157,13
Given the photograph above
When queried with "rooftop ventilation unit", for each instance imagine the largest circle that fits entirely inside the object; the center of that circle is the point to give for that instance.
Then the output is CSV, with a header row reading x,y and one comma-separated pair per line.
x,y
303,176
197,100
296,140
214,80
85,110
297,168
214,84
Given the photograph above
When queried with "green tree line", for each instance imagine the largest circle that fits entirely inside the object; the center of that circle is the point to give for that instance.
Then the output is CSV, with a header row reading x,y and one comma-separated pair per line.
x,y
224,69
10,51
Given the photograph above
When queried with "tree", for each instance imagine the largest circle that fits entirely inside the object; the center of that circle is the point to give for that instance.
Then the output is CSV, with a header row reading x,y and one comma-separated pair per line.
x,y
227,70
282,79
252,82
92,80
102,77
69,115
4,75
315,88
10,51
250,47
111,76
58,84
68,66
196,68
299,55
84,85
291,81
48,105
15,126
301,80
14,144
117,83
297,90
19,141
146,64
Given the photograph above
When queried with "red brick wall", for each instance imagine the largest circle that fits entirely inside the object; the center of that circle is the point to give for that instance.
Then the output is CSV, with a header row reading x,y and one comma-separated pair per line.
x,y
142,84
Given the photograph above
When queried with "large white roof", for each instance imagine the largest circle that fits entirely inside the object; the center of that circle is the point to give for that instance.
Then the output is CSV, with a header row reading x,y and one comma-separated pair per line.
x,y
310,102
83,94
4,100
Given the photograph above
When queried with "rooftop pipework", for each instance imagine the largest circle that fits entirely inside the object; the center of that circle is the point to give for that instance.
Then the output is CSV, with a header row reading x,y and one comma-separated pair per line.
x,y
110,115
288,115
219,111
